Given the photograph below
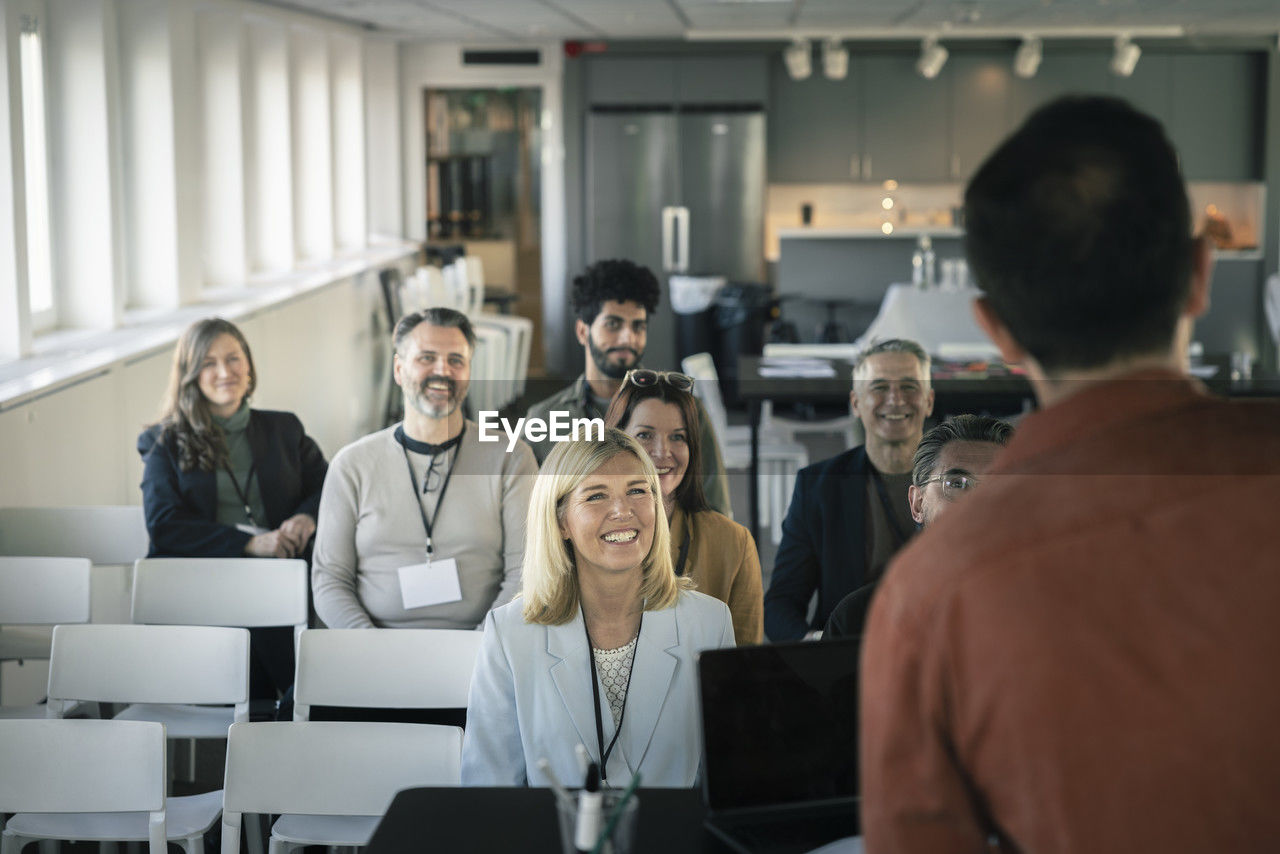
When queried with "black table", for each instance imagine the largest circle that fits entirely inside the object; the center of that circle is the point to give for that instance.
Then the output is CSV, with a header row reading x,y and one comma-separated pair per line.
x,y
996,395
524,820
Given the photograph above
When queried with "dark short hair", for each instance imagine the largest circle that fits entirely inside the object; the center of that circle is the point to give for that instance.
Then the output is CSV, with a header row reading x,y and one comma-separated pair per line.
x,y
961,428
689,494
1078,230
436,317
617,279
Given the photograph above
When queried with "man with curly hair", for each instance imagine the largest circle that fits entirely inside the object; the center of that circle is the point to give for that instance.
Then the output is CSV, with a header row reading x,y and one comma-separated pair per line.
x,y
612,301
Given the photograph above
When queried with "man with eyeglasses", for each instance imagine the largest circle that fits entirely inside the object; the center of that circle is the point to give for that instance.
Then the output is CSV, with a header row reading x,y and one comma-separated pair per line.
x,y
948,464
422,525
849,515
1081,657
612,301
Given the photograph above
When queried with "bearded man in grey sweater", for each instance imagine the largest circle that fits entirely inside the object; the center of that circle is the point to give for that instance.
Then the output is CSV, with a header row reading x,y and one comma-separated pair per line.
x,y
421,524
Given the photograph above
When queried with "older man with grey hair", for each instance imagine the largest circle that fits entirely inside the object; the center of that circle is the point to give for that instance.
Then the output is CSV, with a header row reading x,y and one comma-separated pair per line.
x,y
850,514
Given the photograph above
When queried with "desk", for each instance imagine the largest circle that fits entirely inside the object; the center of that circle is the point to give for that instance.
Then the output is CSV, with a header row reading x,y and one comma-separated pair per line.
x,y
524,820
1002,395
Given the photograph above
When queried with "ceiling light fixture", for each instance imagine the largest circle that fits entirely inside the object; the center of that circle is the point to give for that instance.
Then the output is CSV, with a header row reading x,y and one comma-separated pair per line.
x,y
835,59
1027,60
799,59
932,57
1125,58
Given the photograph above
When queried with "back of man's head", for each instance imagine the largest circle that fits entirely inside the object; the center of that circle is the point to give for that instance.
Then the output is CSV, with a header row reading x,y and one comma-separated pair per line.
x,y
1079,233
618,279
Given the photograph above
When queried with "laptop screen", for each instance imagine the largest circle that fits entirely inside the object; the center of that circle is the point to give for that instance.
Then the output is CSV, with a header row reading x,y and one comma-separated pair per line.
x,y
779,723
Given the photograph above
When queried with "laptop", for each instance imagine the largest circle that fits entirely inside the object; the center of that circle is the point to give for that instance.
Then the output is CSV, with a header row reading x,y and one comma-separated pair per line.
x,y
780,744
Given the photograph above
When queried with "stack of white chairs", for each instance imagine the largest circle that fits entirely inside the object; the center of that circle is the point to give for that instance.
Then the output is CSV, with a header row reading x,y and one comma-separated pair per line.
x,y
779,459
38,591
95,781
330,781
519,331
787,428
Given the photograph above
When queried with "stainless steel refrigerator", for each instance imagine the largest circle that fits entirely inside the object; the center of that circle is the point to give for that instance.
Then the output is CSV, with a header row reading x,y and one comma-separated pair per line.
x,y
680,190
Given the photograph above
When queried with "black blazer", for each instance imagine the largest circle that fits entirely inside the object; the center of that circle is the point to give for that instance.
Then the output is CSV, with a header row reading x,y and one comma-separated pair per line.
x,y
823,545
181,507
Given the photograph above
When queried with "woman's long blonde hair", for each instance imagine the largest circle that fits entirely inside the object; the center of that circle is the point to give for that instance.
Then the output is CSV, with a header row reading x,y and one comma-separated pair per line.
x,y
550,577
185,413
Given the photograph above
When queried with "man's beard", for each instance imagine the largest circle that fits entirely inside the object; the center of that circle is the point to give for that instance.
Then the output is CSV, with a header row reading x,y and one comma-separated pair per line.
x,y
418,399
612,370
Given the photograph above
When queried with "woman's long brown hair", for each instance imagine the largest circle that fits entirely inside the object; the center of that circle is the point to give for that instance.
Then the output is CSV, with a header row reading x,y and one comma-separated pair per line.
x,y
185,413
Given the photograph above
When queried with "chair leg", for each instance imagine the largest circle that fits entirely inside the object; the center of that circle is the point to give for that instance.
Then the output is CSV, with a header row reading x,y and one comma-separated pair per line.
x,y
193,844
11,843
256,832
49,846
107,847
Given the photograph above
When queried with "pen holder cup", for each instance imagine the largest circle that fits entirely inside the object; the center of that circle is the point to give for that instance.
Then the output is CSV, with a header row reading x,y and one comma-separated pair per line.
x,y
621,839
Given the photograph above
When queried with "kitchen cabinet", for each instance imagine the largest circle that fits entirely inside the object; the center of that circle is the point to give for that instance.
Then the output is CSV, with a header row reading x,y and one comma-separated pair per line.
x,y
1218,115
685,80
980,93
1150,87
906,121
1062,72
815,128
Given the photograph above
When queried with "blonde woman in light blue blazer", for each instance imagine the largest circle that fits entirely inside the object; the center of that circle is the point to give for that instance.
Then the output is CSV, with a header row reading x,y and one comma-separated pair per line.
x,y
601,647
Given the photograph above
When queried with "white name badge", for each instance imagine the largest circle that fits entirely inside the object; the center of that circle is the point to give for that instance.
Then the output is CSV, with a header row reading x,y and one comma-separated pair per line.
x,y
251,530
432,583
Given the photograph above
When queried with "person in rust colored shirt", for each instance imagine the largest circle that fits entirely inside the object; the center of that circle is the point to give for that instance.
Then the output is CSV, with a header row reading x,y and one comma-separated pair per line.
x,y
1081,657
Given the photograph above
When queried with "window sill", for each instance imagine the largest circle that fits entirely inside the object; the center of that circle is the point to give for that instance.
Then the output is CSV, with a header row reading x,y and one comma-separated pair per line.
x,y
69,356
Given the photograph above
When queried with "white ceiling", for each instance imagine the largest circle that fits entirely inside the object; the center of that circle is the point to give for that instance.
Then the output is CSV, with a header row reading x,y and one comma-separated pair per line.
x,y
537,20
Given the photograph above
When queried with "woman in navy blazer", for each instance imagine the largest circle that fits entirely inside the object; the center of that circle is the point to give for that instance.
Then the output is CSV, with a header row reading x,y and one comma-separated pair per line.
x,y
601,648
223,480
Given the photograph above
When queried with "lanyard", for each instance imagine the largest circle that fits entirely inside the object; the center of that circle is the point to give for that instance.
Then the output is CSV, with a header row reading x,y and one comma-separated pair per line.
x,y
428,524
243,494
606,752
890,516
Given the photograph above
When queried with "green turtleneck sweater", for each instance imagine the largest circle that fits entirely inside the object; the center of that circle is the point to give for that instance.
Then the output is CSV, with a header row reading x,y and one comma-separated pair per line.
x,y
240,457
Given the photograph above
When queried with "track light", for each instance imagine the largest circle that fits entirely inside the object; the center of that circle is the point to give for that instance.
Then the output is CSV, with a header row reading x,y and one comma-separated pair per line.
x,y
799,59
835,59
932,57
1125,58
1027,60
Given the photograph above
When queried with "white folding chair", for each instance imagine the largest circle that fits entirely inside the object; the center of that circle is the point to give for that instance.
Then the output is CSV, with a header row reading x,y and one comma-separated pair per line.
x,y
330,781
95,781
780,459
244,592
384,669
38,591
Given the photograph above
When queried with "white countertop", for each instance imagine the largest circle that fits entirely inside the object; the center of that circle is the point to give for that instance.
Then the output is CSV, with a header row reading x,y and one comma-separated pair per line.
x,y
913,231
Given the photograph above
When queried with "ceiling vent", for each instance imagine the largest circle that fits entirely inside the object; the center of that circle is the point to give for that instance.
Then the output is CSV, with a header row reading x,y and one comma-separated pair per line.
x,y
502,57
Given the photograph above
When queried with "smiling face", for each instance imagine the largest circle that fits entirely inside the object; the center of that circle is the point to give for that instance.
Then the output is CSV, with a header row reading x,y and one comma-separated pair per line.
x,y
659,427
892,396
433,369
960,465
609,518
615,340
224,375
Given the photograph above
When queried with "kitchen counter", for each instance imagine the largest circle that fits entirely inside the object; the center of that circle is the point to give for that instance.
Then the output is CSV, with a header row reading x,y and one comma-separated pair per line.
x,y
912,231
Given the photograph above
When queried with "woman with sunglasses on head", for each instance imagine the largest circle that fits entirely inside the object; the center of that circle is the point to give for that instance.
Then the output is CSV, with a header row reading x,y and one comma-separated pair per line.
x,y
718,554
223,480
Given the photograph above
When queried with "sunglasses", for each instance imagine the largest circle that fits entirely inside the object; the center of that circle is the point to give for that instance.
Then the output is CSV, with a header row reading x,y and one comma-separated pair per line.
x,y
645,378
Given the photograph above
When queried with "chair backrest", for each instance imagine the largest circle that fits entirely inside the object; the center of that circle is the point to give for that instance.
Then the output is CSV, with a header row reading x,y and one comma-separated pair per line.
x,y
334,767
237,591
475,283
114,534
53,766
702,368
149,664
384,669
44,590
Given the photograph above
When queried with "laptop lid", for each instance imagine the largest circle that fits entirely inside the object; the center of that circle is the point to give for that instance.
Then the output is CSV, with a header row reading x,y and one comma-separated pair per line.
x,y
779,724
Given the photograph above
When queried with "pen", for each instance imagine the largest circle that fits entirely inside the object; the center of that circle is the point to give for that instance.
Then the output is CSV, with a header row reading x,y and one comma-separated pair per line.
x,y
590,801
544,765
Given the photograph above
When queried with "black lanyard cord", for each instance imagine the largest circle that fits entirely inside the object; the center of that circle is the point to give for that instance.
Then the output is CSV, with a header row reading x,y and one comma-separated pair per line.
x,y
428,524
606,752
243,494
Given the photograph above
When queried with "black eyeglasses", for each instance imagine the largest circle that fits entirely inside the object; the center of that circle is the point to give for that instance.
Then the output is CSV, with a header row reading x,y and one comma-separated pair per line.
x,y
645,378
